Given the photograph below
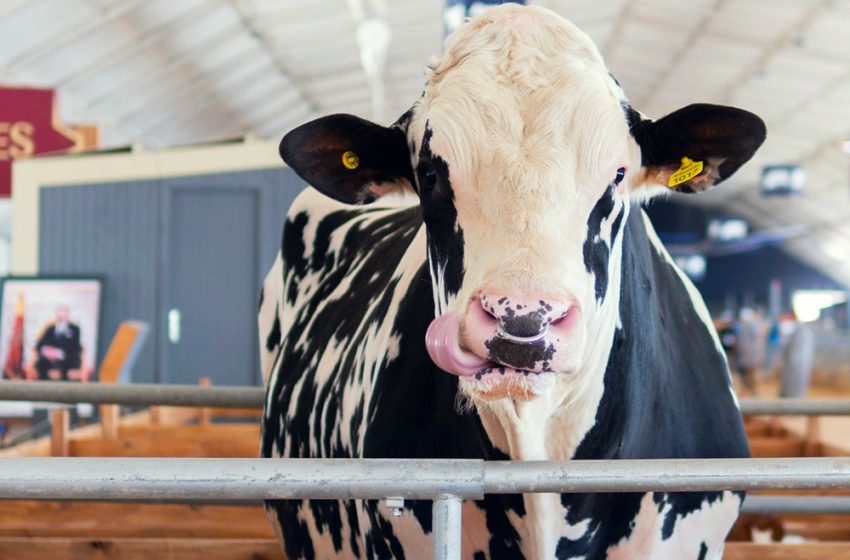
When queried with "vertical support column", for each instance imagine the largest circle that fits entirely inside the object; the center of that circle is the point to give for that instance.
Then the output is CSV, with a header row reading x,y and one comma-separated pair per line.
x,y
446,522
812,439
110,418
204,415
60,421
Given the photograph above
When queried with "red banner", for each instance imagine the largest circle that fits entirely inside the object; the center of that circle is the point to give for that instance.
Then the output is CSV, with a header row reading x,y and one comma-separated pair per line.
x,y
29,126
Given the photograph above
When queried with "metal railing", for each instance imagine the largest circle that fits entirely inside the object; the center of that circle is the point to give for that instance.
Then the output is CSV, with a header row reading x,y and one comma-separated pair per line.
x,y
446,482
252,397
133,394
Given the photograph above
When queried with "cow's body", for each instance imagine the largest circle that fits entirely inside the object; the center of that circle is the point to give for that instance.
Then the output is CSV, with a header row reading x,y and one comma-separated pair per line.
x,y
506,298
353,379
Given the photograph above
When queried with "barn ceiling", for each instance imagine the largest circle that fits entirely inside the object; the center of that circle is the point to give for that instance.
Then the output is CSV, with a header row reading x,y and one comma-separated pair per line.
x,y
164,72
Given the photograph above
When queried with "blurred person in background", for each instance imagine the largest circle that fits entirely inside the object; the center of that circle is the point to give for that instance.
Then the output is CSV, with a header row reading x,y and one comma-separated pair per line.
x,y
750,349
795,372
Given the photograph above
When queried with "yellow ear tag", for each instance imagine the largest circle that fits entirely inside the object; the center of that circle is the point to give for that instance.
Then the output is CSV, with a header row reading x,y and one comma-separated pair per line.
x,y
350,160
686,172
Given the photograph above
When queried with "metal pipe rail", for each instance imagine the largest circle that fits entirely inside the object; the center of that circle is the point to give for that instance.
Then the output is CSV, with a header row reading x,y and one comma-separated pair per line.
x,y
447,482
823,505
252,397
180,479
137,394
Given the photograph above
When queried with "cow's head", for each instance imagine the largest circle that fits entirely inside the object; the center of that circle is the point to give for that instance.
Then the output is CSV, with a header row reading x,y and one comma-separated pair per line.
x,y
526,158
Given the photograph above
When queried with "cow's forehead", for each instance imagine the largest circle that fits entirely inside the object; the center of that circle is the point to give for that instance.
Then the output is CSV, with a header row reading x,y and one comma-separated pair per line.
x,y
521,85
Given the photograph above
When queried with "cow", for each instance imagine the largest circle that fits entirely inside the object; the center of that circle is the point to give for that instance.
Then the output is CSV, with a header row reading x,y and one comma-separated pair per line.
x,y
479,281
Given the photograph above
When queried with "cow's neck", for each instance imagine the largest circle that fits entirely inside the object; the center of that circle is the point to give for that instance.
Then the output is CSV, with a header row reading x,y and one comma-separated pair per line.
x,y
552,428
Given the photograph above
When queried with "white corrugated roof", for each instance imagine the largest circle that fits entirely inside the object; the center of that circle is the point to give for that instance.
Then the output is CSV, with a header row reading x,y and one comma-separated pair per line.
x,y
168,72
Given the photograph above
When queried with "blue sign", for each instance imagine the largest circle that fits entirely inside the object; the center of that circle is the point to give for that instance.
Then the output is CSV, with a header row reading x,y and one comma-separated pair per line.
x,y
783,180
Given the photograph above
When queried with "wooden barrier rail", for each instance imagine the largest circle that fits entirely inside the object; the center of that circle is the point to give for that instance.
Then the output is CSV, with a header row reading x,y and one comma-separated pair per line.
x,y
58,548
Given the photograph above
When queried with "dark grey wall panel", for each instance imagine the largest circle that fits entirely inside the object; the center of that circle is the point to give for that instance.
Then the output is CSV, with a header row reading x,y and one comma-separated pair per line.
x,y
117,231
109,230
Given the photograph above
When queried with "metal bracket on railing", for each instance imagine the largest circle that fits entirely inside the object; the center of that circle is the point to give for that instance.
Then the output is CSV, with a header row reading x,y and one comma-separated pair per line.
x,y
396,505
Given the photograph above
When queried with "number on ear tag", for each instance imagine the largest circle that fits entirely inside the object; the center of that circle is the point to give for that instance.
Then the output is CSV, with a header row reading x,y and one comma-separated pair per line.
x,y
686,172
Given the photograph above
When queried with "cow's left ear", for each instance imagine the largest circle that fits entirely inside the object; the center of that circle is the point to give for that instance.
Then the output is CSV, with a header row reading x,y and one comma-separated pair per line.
x,y
348,158
698,146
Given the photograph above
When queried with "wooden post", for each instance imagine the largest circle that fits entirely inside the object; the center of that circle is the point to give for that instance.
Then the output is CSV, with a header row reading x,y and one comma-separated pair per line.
x,y
110,417
155,417
60,425
204,416
812,442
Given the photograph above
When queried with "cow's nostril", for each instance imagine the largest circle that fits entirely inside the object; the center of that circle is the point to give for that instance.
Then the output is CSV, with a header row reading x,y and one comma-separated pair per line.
x,y
560,317
522,334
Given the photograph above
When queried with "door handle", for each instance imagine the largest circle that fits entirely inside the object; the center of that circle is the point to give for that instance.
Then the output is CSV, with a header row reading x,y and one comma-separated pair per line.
x,y
174,321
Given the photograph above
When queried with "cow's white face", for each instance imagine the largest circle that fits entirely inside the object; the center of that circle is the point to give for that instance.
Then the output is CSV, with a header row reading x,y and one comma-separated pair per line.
x,y
525,157
522,157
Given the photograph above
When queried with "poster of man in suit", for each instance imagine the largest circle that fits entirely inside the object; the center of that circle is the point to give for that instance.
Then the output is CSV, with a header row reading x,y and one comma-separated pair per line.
x,y
58,349
49,328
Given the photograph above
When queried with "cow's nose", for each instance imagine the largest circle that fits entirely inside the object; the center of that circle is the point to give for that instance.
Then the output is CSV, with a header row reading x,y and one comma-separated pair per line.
x,y
522,319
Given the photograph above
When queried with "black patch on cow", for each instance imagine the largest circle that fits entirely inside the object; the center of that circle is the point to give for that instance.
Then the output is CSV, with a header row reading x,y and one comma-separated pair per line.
x,y
298,543
273,340
327,517
596,251
445,236
293,251
703,551
662,411
261,298
479,555
633,118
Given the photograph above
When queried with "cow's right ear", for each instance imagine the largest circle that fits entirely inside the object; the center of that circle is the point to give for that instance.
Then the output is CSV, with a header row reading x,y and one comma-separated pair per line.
x,y
349,159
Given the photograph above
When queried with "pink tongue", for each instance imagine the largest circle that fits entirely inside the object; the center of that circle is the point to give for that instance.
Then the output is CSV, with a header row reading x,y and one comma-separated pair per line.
x,y
441,339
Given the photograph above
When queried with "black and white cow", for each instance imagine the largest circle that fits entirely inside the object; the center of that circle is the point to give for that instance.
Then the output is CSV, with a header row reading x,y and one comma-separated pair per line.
x,y
506,298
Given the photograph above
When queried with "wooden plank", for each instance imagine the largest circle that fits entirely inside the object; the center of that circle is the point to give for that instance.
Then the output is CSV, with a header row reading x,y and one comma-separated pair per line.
x,y
238,431
809,551
140,549
776,447
110,418
119,349
60,425
255,413
213,440
41,447
28,518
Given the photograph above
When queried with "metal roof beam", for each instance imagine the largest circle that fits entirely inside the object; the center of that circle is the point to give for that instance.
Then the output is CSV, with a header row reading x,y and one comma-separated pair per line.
x,y
257,30
681,54
623,17
72,34
780,43
146,40
172,62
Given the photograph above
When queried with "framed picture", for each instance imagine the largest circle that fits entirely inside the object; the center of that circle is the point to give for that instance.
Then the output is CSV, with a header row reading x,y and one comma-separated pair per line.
x,y
49,328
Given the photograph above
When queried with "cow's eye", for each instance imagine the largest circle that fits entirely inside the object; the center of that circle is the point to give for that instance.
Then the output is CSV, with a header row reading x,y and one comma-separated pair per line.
x,y
620,174
429,175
